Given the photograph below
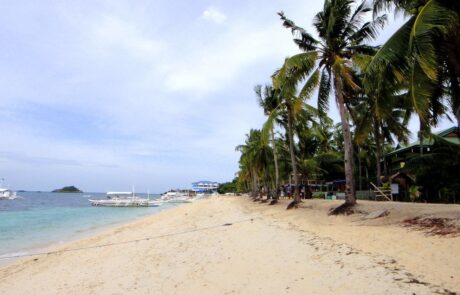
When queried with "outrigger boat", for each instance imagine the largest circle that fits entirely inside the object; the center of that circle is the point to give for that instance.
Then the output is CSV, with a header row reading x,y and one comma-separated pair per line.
x,y
124,199
176,197
7,194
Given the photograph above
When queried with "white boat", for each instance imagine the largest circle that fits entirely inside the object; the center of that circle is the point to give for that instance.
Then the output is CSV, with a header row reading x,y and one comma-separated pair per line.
x,y
176,197
156,202
7,194
124,199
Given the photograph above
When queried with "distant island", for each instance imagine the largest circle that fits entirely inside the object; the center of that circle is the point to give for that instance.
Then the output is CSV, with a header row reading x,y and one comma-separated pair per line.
x,y
67,189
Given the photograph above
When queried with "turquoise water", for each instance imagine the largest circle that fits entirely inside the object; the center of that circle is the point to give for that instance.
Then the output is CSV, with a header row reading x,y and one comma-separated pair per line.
x,y
37,220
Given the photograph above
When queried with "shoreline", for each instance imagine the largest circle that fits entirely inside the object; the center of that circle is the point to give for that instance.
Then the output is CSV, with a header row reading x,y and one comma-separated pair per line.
x,y
225,245
79,235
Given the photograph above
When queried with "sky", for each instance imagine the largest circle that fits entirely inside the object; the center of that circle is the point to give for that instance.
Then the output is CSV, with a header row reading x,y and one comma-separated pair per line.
x,y
110,94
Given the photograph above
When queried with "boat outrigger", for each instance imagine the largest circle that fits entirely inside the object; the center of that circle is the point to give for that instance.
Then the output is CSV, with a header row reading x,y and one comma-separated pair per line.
x,y
124,199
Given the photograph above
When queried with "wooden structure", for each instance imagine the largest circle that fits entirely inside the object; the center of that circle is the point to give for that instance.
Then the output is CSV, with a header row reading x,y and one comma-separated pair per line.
x,y
396,160
382,193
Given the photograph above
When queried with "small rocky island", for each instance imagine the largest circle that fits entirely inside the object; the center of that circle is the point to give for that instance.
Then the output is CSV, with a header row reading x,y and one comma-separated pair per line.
x,y
67,189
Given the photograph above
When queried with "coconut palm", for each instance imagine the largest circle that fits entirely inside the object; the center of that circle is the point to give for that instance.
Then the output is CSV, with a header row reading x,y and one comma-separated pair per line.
x,y
255,160
269,100
381,110
425,52
289,106
329,60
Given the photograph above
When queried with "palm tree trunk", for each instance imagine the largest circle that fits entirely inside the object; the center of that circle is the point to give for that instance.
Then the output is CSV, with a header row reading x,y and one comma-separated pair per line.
x,y
254,183
350,197
367,175
421,135
275,158
455,88
293,161
360,171
378,152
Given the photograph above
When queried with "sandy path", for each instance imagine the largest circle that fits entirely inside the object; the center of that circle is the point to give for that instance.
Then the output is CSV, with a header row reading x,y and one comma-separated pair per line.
x,y
197,254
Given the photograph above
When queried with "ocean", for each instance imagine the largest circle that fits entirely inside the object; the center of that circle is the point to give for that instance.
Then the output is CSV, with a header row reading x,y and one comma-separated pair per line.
x,y
38,219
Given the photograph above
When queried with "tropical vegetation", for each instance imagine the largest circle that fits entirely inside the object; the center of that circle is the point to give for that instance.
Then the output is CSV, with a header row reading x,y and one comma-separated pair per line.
x,y
376,88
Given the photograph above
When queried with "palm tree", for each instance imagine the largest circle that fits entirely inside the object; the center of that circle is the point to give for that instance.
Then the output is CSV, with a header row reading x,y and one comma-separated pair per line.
x,y
289,105
341,35
425,52
255,160
382,111
269,100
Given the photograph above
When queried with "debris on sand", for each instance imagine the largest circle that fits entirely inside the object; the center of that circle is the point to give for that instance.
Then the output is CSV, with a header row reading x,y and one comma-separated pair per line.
x,y
377,214
434,225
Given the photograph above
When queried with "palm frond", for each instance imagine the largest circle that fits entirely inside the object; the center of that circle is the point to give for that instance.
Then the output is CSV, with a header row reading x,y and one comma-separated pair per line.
x,y
294,70
393,54
310,85
369,30
324,91
341,69
268,125
432,19
303,39
420,90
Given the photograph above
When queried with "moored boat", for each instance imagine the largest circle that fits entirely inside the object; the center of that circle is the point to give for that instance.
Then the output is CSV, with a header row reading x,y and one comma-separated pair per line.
x,y
124,199
7,194
176,197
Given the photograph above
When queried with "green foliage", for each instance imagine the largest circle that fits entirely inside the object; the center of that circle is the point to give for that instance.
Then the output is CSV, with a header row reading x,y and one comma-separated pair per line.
x,y
414,192
423,52
437,172
318,195
415,72
228,187
67,189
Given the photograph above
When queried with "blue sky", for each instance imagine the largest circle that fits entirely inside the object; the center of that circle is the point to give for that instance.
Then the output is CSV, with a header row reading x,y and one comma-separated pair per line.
x,y
109,94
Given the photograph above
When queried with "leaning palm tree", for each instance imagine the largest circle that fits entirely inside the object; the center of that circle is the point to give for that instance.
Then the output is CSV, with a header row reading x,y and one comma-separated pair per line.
x,y
255,158
269,100
285,80
329,60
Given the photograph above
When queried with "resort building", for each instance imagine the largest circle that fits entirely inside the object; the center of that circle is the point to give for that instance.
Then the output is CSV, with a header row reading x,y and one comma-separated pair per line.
x,y
205,186
396,160
431,166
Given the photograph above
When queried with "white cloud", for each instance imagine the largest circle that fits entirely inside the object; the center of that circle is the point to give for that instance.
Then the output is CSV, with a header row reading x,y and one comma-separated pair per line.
x,y
212,66
214,15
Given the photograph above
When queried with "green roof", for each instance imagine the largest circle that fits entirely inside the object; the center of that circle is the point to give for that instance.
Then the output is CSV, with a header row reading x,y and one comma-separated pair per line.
x,y
429,141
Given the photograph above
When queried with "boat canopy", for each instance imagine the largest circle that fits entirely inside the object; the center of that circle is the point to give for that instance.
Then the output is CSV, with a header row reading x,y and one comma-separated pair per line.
x,y
119,193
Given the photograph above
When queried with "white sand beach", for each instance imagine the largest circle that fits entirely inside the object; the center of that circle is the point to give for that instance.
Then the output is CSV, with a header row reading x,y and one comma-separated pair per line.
x,y
231,245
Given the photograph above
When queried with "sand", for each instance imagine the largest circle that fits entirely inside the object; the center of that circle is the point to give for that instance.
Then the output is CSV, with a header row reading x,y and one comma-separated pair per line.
x,y
231,245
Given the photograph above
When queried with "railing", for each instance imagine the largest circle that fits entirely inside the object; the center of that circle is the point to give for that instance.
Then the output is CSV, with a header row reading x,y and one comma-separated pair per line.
x,y
382,192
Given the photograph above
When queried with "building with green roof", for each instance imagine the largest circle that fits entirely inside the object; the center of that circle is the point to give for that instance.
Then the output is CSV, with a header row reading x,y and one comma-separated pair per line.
x,y
431,164
396,159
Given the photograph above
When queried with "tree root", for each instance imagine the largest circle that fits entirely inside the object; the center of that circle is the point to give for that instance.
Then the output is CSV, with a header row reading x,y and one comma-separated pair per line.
x,y
293,204
345,209
273,202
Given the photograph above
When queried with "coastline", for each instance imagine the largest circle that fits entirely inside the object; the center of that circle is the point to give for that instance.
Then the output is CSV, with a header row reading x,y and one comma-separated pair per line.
x,y
213,247
79,235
